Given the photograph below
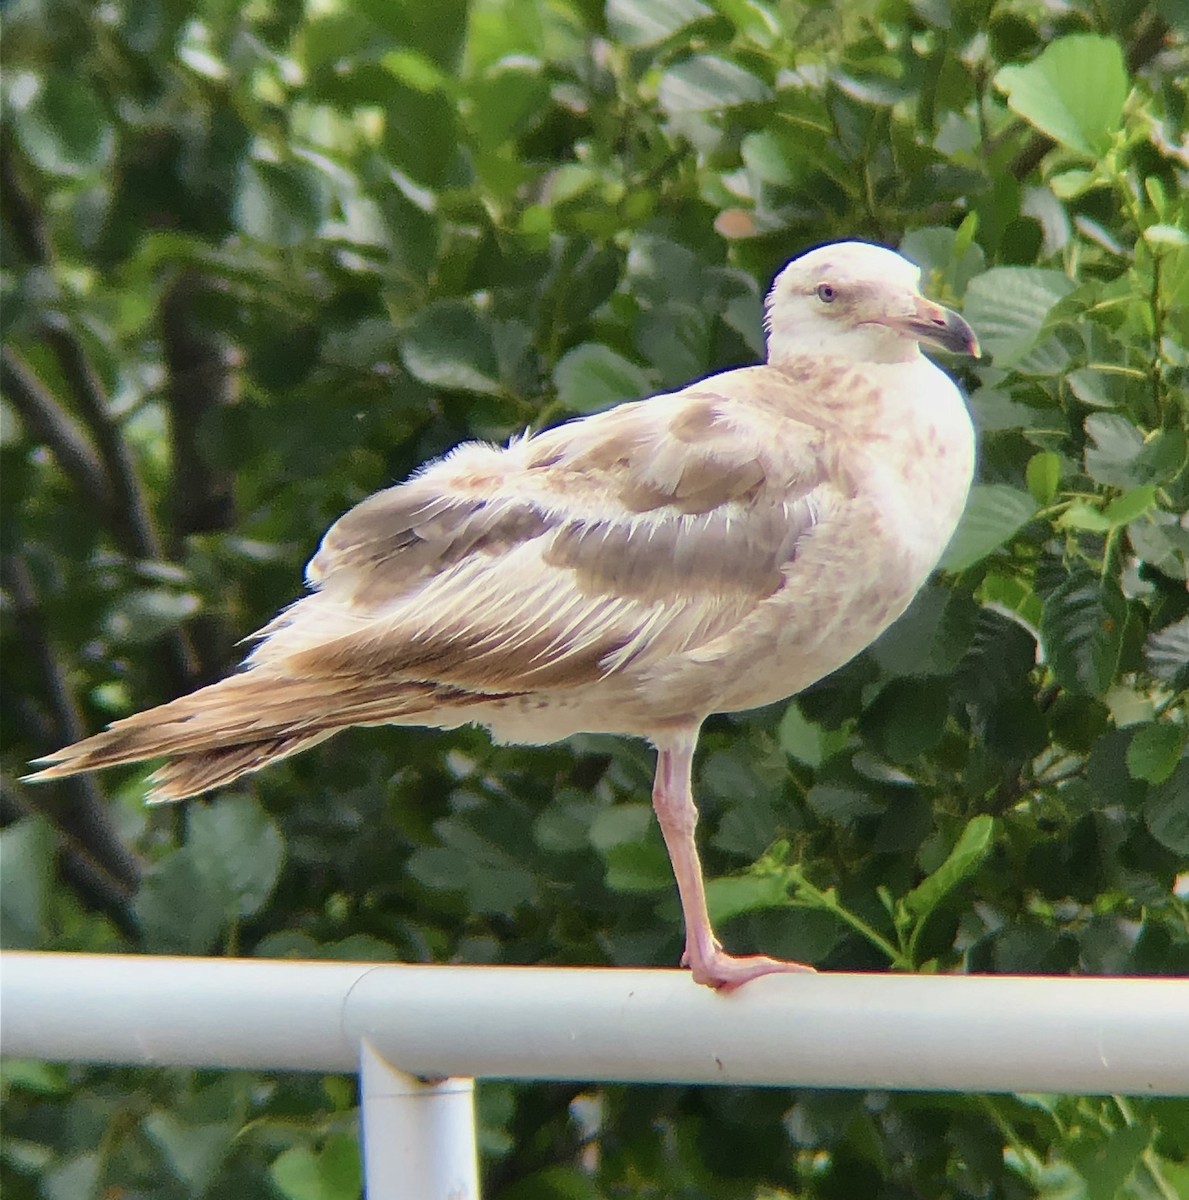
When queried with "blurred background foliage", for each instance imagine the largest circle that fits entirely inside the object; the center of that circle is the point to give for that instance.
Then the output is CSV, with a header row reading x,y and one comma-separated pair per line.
x,y
261,259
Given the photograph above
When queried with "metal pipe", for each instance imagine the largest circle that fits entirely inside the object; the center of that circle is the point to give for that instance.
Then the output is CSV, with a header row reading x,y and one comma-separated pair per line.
x,y
418,1136
964,1033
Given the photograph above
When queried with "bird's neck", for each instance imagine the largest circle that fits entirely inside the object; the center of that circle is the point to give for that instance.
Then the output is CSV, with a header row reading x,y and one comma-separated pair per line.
x,y
861,345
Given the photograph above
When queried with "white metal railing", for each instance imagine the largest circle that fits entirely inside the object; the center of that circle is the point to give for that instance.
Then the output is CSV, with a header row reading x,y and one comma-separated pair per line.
x,y
395,1023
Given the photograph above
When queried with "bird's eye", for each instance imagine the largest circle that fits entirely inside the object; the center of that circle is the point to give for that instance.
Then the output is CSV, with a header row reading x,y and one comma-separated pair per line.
x,y
826,293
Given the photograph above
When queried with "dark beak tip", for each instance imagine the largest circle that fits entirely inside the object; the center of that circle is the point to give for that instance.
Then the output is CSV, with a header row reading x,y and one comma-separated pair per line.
x,y
959,337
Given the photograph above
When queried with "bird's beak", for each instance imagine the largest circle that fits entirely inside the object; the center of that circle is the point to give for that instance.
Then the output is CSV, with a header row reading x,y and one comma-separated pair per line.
x,y
939,326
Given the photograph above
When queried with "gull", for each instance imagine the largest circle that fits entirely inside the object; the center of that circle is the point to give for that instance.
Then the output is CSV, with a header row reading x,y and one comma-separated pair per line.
x,y
631,572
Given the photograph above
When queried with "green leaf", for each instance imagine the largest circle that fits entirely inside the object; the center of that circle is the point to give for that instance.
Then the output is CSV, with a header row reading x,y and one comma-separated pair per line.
x,y
415,69
592,377
806,741
1112,447
474,858
1166,235
1155,750
1074,91
226,871
907,719
332,1173
842,805
63,127
637,867
437,29
1086,517
74,1178
707,83
28,849
177,910
46,1079
1167,652
625,836
490,881
1106,1163
994,411
1166,811
193,1152
1043,474
660,270
646,22
1174,278
1068,185
1106,771
948,258
499,30
931,637
620,824
733,895
1163,541
1120,511
504,103
972,847
448,344
1082,632
1097,389
994,513
1131,505
1162,458
1118,455
565,827
766,154
1008,307
554,1183
283,204
756,22
1012,594
237,850
675,339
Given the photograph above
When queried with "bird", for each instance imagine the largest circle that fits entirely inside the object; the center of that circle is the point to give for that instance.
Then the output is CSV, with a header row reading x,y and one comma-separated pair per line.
x,y
633,571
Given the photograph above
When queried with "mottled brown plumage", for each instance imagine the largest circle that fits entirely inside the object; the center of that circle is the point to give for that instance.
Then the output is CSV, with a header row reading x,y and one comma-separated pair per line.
x,y
707,550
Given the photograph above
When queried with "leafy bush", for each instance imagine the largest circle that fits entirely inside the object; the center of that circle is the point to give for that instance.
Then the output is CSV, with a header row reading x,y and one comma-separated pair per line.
x,y
262,260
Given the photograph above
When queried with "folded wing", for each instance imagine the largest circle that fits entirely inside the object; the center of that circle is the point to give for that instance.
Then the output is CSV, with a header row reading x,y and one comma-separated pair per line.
x,y
613,541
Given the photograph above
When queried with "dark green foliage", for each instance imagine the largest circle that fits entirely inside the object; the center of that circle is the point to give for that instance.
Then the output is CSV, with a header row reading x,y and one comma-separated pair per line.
x,y
262,260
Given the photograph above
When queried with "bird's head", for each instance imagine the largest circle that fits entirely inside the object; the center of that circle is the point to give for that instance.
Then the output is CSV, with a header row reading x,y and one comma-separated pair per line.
x,y
860,302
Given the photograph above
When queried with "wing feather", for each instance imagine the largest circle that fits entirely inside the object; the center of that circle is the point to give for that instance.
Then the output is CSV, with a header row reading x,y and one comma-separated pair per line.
x,y
640,533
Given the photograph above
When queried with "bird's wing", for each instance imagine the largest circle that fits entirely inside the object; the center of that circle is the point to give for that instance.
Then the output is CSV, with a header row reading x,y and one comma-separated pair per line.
x,y
624,537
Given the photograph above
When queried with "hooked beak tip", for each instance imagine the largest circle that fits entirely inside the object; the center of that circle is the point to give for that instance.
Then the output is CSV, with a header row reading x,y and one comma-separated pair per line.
x,y
942,327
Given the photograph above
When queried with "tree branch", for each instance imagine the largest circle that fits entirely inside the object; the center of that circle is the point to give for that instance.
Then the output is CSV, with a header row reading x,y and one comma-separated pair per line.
x,y
50,423
80,813
23,218
132,526
128,515
199,383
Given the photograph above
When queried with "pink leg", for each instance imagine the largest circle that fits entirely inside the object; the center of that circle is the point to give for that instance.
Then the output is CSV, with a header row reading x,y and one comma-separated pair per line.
x,y
672,798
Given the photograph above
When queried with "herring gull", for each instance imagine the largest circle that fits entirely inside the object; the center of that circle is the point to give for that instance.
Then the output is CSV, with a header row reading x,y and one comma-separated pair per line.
x,y
631,572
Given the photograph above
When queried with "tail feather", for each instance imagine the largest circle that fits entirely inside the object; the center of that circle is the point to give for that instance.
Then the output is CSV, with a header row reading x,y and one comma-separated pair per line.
x,y
241,724
192,774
